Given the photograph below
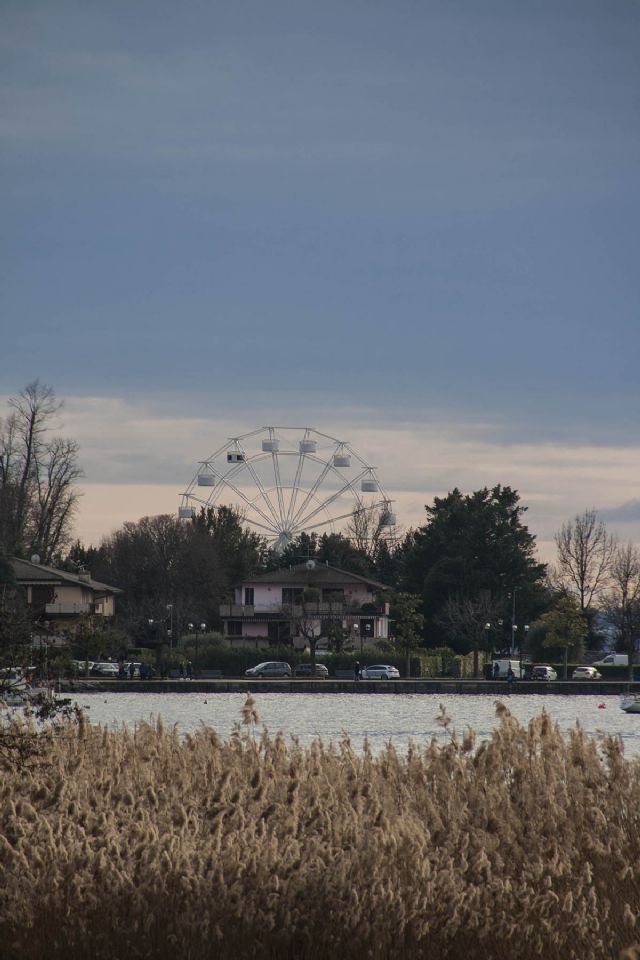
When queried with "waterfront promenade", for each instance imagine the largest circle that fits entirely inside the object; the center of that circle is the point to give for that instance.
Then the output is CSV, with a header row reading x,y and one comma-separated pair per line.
x,y
441,685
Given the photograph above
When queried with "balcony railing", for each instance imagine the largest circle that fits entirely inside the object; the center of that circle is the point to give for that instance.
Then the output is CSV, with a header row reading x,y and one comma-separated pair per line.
x,y
323,608
67,609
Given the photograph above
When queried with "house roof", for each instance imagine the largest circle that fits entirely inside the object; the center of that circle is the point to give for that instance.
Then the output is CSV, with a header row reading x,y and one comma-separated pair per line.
x,y
25,571
318,575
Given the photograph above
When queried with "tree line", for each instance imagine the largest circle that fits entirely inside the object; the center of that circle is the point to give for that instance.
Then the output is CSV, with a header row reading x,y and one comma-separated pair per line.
x,y
468,578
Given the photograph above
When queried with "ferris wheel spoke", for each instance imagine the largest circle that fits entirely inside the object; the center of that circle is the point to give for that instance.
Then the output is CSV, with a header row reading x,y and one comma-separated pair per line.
x,y
331,520
251,503
276,473
263,491
349,485
294,495
303,521
311,493
222,479
273,530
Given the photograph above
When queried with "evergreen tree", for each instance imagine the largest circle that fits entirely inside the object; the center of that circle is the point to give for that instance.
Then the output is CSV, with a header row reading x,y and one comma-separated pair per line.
x,y
473,547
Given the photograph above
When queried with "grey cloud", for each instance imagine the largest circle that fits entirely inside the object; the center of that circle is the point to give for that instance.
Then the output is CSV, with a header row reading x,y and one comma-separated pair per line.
x,y
628,512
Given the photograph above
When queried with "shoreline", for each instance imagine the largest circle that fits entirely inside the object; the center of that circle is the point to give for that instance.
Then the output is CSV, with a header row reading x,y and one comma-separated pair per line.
x,y
443,685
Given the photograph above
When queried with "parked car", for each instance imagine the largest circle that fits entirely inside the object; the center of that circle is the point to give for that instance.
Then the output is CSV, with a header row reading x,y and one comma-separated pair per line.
x,y
613,660
304,670
128,672
105,669
543,672
380,671
270,668
80,666
585,673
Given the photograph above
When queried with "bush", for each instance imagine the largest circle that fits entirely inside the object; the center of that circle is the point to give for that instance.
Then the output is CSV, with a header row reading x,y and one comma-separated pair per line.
x,y
143,844
233,662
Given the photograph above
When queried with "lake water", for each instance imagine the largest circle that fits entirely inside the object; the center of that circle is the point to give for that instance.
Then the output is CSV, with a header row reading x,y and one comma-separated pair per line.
x,y
379,717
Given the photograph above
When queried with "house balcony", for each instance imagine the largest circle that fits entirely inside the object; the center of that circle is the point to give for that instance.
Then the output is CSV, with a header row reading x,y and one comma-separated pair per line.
x,y
67,609
323,608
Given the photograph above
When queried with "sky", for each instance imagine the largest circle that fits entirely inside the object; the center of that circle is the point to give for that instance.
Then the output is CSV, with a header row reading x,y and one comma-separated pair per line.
x,y
413,225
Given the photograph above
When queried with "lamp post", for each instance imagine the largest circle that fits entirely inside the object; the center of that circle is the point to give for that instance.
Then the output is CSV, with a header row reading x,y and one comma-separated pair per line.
x,y
196,628
170,612
356,629
487,628
513,619
526,631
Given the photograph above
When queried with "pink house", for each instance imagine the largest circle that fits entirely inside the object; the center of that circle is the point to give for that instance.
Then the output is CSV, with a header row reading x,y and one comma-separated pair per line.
x,y
272,608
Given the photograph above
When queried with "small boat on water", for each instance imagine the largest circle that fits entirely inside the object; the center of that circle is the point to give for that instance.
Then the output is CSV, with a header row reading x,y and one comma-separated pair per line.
x,y
17,688
630,703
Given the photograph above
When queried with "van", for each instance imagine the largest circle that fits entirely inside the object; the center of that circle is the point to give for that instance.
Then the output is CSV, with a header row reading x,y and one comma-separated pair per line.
x,y
613,660
500,669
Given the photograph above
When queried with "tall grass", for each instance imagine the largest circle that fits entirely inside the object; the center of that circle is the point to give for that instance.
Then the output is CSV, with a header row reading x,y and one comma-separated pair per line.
x,y
141,843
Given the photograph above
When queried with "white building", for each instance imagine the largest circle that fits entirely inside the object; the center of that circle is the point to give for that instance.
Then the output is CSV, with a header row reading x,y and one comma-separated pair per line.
x,y
271,608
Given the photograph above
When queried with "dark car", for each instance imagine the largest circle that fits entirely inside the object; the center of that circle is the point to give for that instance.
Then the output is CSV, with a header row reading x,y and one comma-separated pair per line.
x,y
304,670
270,668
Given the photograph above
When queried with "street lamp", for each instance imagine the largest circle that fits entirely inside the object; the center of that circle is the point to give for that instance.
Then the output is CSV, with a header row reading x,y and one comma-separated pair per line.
x,y
170,612
356,628
196,628
526,631
514,630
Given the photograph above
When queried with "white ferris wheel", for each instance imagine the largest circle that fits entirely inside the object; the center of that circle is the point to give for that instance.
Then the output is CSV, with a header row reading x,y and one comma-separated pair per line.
x,y
289,480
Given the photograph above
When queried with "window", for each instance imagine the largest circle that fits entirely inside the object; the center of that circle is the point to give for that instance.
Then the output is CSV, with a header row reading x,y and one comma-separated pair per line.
x,y
367,629
41,594
333,594
292,595
248,596
279,631
234,628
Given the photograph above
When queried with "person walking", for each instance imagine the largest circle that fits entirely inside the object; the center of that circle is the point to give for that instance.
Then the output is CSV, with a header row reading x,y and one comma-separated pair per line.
x,y
356,671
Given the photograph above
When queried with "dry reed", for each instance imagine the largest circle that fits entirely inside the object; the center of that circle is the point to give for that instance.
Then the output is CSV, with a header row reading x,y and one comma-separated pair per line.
x,y
141,843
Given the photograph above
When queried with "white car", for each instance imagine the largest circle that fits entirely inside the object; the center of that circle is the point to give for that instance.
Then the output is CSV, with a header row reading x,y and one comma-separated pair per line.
x,y
586,673
128,672
270,668
543,672
81,666
380,671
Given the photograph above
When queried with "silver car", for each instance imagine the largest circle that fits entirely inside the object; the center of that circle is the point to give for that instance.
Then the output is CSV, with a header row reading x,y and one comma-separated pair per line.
x,y
270,668
380,671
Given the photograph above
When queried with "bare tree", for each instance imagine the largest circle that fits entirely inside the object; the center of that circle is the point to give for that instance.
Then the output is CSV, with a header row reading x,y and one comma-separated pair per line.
x,y
622,601
38,496
585,554
368,527
464,619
